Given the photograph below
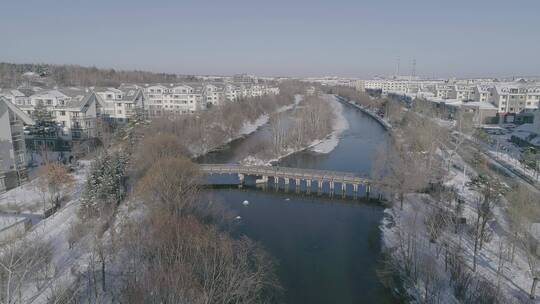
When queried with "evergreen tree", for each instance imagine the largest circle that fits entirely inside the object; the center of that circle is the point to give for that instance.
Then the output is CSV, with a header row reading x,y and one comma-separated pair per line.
x,y
41,114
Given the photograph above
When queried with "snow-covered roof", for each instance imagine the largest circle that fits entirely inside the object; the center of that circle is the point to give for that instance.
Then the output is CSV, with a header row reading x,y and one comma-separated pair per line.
x,y
481,105
50,94
20,114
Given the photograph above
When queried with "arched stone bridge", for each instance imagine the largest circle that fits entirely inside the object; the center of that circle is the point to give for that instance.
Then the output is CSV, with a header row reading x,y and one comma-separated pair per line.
x,y
289,174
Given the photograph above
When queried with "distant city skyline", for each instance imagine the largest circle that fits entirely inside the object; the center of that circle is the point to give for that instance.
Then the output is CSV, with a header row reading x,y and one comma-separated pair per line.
x,y
278,38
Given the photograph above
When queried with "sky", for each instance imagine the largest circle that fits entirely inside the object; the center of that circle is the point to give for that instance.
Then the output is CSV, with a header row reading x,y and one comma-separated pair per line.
x,y
351,38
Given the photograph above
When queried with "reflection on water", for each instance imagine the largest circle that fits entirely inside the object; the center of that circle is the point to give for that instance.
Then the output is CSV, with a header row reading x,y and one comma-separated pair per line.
x,y
327,248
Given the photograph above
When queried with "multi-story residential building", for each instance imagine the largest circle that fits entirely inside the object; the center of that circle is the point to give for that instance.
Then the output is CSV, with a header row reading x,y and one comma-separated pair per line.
x,y
173,100
515,97
12,146
232,92
213,95
75,114
482,93
464,92
119,105
445,91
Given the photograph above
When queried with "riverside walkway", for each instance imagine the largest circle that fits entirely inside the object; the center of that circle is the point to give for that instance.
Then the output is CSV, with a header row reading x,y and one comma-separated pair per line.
x,y
290,175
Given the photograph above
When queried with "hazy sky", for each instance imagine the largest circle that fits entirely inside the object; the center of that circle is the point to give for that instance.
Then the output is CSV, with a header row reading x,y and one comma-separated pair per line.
x,y
274,37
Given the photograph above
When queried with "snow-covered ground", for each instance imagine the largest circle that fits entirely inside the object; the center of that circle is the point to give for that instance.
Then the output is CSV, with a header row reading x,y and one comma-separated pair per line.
x,y
252,126
509,154
340,124
514,280
24,199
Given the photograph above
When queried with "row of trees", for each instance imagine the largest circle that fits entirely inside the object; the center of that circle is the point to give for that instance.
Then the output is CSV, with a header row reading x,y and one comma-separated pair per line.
x,y
312,120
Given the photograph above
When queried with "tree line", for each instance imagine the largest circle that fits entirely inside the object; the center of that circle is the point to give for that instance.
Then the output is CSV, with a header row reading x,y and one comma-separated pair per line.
x,y
11,75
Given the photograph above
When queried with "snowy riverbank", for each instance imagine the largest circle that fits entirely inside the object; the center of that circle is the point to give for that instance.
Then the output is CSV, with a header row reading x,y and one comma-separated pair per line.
x,y
340,124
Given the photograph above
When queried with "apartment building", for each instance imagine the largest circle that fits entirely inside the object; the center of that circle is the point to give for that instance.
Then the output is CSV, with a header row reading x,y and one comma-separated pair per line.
x,y
482,93
214,95
173,100
74,110
464,92
445,91
516,97
12,147
119,105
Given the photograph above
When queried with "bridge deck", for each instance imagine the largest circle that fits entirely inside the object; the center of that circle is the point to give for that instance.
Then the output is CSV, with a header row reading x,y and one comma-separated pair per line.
x,y
285,172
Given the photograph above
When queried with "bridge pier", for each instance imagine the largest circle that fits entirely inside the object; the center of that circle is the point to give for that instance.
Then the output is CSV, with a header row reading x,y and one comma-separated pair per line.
x,y
262,180
319,187
287,181
368,190
241,177
308,186
297,185
331,187
343,189
355,190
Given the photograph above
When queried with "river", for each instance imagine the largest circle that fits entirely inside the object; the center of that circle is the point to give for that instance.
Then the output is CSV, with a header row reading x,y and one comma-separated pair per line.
x,y
327,249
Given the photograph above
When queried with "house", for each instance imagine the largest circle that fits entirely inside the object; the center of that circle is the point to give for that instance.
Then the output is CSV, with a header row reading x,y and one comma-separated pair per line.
x,y
12,145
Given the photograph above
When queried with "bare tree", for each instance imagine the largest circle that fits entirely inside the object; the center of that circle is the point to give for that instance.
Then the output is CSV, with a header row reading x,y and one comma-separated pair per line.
x,y
524,212
55,180
171,182
399,171
25,270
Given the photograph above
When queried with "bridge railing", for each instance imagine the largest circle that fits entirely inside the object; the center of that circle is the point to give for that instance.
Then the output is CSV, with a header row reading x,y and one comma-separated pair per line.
x,y
283,172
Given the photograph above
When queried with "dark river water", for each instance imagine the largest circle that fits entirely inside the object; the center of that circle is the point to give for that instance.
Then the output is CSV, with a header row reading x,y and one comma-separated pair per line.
x,y
327,249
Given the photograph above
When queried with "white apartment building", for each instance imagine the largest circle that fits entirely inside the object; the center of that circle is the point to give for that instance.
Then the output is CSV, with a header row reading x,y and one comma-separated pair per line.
x,y
483,93
385,85
75,114
213,95
445,91
464,92
172,100
516,97
119,105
